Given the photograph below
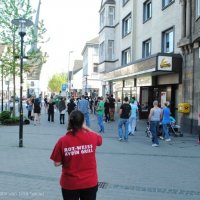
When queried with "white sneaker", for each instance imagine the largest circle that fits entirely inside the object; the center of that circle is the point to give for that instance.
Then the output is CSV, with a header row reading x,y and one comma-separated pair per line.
x,y
161,137
168,140
155,145
120,139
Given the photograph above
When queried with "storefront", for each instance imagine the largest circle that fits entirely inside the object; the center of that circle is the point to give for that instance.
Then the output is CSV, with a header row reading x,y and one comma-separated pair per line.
x,y
155,78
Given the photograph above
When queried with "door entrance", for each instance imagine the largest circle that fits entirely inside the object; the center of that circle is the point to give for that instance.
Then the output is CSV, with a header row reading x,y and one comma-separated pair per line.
x,y
161,94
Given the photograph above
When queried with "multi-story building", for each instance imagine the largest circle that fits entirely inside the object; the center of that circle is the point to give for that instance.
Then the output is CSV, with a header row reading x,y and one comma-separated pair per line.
x,y
90,80
77,75
138,53
190,46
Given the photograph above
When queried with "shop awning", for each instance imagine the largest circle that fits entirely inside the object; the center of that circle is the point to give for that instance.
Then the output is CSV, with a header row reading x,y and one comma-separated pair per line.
x,y
157,64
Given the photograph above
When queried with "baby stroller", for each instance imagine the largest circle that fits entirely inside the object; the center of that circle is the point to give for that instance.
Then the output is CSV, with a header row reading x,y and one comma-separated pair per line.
x,y
174,129
148,132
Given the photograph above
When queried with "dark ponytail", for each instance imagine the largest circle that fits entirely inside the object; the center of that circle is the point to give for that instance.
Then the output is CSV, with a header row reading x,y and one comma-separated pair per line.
x,y
76,119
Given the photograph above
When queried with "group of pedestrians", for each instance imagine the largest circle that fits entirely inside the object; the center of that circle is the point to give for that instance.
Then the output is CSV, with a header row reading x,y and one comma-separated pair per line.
x,y
157,116
105,112
128,117
34,109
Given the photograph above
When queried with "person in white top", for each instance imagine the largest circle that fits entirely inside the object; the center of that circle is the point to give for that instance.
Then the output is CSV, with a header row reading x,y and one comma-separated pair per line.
x,y
133,117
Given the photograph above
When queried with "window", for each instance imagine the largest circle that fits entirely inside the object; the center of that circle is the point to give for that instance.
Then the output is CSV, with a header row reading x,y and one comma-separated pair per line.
x,y
95,68
111,15
95,52
126,25
146,52
124,2
101,52
110,49
168,41
198,8
166,2
147,10
32,84
102,18
126,56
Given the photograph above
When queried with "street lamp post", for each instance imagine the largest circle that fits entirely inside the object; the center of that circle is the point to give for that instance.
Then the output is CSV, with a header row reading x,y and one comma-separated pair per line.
x,y
86,82
68,85
22,24
1,86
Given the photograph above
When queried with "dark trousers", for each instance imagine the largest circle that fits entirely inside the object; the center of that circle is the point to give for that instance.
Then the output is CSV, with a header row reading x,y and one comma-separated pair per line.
x,y
107,116
62,118
29,114
82,194
51,116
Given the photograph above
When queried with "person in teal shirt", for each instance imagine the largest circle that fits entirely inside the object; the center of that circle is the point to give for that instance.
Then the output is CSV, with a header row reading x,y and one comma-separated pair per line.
x,y
100,113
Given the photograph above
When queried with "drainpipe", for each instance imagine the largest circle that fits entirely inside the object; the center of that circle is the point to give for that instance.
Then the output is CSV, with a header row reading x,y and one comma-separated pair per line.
x,y
183,18
188,22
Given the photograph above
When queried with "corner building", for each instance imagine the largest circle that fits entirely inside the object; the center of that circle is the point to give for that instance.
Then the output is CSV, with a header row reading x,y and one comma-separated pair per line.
x,y
138,54
189,44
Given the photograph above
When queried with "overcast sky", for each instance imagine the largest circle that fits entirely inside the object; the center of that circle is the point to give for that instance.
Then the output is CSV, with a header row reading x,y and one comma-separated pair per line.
x,y
70,24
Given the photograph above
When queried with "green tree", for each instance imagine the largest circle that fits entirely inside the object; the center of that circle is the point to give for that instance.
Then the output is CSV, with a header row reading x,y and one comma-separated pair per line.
x,y
14,9
55,83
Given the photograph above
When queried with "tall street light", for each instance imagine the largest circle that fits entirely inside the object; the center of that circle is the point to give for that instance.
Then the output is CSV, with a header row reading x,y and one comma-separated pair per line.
x,y
68,88
1,86
22,24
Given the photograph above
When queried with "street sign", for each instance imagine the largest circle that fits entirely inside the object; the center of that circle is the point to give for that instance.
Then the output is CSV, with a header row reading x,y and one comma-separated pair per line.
x,y
64,87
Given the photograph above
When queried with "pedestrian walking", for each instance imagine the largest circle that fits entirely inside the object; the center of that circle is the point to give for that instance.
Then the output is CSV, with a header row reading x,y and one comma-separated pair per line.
x,y
75,152
11,105
91,105
45,103
36,110
71,106
198,142
100,114
133,117
154,119
112,107
95,105
29,108
166,121
62,108
124,113
83,106
51,107
106,110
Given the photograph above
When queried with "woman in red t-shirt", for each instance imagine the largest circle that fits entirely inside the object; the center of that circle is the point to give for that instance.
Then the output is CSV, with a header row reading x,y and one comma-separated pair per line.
x,y
76,153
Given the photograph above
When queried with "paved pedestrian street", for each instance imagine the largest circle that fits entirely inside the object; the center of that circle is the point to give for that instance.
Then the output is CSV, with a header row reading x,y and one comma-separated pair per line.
x,y
127,170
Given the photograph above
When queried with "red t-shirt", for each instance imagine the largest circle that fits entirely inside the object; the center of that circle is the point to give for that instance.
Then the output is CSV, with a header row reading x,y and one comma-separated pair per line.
x,y
77,154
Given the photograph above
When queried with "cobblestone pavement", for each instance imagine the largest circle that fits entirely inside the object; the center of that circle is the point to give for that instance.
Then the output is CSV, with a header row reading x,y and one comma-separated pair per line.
x,y
127,171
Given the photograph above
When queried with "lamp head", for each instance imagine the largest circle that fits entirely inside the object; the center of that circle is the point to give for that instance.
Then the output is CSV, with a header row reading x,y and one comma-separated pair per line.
x,y
22,24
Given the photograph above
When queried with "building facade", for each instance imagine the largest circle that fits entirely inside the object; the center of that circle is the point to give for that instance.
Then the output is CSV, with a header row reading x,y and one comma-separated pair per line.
x,y
91,82
138,53
190,47
77,75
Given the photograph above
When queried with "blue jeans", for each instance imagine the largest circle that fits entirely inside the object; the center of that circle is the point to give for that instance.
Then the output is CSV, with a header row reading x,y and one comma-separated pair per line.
x,y
122,122
100,122
165,131
87,119
154,131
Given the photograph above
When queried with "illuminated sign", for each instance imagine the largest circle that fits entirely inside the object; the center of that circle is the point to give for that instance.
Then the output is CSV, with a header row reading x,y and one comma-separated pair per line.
x,y
164,63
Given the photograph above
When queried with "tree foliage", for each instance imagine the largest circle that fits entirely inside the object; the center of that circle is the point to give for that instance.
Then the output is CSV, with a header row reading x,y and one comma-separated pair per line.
x,y
15,9
55,83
